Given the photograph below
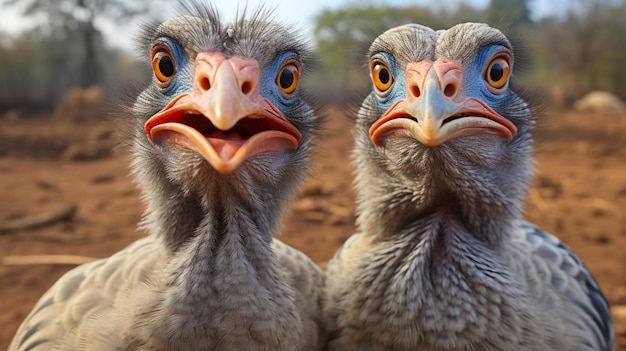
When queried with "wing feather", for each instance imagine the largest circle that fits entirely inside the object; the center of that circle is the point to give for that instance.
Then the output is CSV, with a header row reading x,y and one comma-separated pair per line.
x,y
571,279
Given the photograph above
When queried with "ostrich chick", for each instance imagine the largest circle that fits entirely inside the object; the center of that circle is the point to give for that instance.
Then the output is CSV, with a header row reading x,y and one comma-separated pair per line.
x,y
443,259
220,143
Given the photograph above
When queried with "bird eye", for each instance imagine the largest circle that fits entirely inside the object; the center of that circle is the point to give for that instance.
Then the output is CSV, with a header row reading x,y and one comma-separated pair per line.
x,y
163,66
287,79
498,72
381,76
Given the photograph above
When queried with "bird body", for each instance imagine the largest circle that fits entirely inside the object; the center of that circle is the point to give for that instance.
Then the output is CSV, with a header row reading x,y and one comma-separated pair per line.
x,y
442,259
220,142
125,302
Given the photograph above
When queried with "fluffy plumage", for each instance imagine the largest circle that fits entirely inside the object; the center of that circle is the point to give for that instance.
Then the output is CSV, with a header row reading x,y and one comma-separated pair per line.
x,y
443,259
220,143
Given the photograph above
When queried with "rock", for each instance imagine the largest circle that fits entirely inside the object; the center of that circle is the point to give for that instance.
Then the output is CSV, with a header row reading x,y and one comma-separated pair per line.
x,y
600,101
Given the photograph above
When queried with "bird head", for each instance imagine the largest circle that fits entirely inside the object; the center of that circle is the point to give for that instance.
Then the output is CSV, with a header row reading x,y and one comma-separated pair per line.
x,y
225,100
443,125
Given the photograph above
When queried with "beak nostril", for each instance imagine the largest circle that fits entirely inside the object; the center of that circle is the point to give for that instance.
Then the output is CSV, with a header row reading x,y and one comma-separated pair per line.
x,y
415,90
205,84
246,87
449,90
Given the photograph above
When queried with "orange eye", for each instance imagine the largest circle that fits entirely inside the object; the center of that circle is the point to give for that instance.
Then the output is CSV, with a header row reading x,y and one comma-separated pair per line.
x,y
498,72
163,66
287,79
381,76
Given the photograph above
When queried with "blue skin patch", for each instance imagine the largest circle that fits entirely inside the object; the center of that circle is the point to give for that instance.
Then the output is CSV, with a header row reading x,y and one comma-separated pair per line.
x,y
183,73
474,72
269,89
398,89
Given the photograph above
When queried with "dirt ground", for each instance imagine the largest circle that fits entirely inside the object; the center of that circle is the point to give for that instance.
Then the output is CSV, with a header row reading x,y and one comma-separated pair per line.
x,y
48,167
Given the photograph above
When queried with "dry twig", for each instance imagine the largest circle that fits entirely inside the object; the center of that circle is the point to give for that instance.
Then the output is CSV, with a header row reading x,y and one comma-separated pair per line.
x,y
44,259
39,220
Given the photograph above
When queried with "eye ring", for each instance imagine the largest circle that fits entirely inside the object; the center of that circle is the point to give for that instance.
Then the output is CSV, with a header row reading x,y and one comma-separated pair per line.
x,y
381,76
288,77
497,74
163,66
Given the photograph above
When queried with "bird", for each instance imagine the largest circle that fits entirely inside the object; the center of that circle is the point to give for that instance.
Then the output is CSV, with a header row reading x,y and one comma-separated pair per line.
x,y
219,143
442,257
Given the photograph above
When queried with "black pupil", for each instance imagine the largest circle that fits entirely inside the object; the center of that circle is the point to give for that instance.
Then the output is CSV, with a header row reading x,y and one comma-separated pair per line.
x,y
286,79
383,76
496,73
166,66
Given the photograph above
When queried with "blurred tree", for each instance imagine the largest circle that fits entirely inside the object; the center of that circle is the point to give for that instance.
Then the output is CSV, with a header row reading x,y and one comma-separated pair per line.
x,y
75,21
612,64
34,69
583,49
464,12
511,13
38,67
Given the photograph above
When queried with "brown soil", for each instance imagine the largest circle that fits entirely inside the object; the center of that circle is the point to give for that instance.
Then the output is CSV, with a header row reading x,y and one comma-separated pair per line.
x,y
48,165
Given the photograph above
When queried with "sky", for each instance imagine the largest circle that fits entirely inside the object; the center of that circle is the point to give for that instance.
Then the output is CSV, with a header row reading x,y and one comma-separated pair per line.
x,y
301,13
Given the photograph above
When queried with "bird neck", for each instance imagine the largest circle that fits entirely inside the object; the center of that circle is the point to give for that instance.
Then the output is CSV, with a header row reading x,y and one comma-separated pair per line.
x,y
225,268
388,204
221,273
225,205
